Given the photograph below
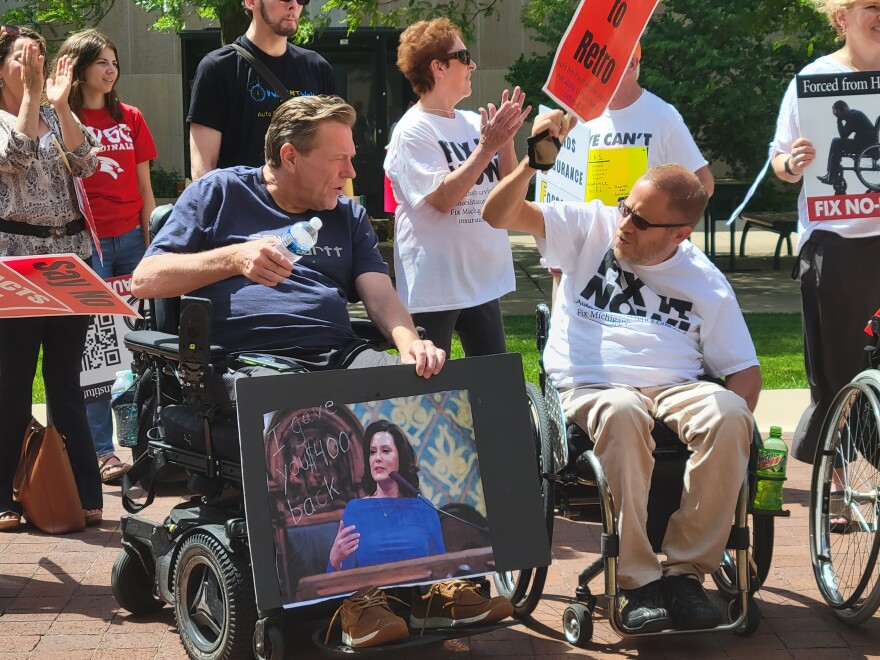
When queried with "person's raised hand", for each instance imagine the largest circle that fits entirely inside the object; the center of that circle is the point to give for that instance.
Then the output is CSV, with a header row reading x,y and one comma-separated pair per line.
x,y
499,125
260,261
429,359
344,545
556,122
32,73
58,87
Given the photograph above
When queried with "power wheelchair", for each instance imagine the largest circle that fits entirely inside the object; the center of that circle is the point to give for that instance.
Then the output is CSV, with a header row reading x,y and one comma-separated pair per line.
x,y
198,559
569,483
845,559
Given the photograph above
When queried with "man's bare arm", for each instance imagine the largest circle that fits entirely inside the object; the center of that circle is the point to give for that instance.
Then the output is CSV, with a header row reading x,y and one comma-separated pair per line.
x,y
204,149
168,275
390,316
747,383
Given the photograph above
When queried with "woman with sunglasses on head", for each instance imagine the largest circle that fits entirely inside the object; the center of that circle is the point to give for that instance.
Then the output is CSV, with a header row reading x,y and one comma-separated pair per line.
x,y
42,147
451,267
120,192
839,260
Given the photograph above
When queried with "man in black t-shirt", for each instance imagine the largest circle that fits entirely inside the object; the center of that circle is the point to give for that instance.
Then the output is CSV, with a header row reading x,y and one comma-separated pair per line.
x,y
232,104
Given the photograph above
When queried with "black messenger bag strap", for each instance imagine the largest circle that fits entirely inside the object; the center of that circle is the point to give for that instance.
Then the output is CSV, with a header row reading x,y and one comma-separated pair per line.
x,y
262,69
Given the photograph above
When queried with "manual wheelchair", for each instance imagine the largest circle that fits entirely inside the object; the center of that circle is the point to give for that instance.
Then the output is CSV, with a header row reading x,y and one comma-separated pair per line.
x,y
568,484
865,164
845,560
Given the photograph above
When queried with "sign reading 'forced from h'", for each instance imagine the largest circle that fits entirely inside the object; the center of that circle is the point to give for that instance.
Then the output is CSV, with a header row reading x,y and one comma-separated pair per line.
x,y
593,54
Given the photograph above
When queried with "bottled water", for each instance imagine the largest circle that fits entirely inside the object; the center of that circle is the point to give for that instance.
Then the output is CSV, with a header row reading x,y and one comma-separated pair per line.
x,y
124,408
299,239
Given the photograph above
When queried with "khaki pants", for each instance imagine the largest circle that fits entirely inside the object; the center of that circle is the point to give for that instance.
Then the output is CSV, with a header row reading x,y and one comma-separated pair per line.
x,y
717,427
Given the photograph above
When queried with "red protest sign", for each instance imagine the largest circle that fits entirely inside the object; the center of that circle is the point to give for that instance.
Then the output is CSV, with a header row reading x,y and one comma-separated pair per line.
x,y
592,57
21,297
71,287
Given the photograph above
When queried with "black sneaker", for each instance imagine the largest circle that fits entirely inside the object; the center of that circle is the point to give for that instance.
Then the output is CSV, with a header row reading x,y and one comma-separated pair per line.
x,y
825,178
688,603
640,609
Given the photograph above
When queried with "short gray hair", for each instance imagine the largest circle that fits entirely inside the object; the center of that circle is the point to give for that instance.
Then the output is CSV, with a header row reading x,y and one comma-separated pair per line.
x,y
683,189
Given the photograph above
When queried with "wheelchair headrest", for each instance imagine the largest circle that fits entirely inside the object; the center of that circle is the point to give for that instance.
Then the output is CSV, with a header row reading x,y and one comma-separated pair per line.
x,y
158,218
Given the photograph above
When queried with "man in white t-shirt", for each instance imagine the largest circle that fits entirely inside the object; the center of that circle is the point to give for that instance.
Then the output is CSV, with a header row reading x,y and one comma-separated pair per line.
x,y
637,118
640,315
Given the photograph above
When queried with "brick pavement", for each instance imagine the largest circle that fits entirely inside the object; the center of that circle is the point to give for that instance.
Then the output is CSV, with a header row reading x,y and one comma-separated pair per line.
x,y
56,602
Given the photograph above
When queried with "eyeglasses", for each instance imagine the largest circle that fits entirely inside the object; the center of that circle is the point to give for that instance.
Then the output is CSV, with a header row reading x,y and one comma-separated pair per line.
x,y
639,222
463,56
11,30
301,3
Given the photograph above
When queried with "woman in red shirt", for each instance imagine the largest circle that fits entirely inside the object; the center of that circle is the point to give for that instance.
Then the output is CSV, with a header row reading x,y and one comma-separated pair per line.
x,y
119,192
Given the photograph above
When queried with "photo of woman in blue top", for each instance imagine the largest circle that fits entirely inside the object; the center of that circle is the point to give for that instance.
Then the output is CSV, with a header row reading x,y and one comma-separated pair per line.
x,y
389,523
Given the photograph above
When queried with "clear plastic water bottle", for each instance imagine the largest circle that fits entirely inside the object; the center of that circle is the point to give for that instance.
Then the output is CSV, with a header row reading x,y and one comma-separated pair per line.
x,y
772,458
299,239
124,409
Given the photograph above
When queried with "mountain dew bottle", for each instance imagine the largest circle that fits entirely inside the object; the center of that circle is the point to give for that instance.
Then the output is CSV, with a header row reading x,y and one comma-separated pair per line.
x,y
772,458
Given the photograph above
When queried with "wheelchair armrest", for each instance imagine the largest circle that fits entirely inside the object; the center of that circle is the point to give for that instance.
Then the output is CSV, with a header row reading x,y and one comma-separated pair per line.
x,y
161,344
366,329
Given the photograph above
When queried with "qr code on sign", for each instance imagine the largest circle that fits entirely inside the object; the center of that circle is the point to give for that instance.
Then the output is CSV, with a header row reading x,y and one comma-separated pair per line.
x,y
102,346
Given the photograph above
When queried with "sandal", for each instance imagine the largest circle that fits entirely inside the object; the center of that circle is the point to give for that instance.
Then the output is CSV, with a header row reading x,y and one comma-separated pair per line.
x,y
9,521
112,469
93,516
839,521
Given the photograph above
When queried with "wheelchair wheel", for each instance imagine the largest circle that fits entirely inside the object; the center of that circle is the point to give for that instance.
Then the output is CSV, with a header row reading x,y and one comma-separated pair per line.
x,y
577,624
753,617
761,555
844,560
524,588
868,167
839,185
214,602
132,584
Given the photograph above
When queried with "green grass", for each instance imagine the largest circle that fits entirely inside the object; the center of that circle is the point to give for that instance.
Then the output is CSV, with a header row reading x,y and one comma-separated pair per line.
x,y
777,338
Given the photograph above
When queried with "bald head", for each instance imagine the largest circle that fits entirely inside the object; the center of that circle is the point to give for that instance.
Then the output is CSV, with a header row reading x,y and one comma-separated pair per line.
x,y
683,190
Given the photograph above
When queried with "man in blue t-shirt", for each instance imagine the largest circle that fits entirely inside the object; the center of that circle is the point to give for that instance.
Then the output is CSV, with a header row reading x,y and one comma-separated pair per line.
x,y
220,243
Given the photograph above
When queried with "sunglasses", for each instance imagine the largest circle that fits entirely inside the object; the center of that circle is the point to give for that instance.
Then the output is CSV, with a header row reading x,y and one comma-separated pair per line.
x,y
302,3
639,222
11,30
463,56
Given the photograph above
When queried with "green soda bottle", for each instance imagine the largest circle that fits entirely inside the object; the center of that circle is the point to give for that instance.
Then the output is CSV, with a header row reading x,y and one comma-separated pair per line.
x,y
772,458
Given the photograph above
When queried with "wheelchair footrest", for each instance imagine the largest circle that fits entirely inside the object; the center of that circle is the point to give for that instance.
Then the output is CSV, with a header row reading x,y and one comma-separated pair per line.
x,y
782,513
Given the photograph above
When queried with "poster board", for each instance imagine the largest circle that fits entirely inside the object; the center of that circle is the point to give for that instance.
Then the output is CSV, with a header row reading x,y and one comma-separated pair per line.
x,y
592,56
475,450
856,194
105,351
55,285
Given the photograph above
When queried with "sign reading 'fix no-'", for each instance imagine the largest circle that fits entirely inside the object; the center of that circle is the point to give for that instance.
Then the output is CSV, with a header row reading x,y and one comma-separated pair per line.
x,y
593,55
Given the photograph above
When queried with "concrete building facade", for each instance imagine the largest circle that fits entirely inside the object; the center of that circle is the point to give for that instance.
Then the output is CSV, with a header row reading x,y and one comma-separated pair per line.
x,y
151,67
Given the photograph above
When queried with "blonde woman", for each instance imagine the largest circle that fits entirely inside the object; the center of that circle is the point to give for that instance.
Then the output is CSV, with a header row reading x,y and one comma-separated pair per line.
x,y
839,259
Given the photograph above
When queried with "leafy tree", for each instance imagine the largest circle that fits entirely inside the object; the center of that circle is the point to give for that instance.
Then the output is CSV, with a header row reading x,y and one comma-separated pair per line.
x,y
63,16
724,66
